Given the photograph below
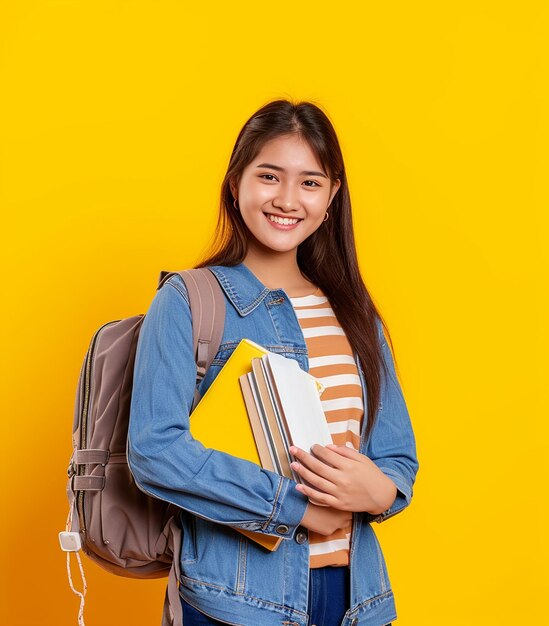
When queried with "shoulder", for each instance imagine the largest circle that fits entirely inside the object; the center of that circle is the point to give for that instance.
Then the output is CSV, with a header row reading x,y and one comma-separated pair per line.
x,y
176,282
170,298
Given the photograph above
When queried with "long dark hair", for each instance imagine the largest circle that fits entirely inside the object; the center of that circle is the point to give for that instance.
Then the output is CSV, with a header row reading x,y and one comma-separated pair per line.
x,y
328,256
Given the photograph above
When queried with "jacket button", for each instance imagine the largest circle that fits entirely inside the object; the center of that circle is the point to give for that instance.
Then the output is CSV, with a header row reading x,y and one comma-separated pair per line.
x,y
282,529
301,537
354,622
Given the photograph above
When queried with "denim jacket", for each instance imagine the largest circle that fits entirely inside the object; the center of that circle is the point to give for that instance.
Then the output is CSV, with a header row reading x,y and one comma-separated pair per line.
x,y
222,573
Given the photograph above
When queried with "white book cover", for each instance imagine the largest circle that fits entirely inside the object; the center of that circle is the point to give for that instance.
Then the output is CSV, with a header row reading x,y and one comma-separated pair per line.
x,y
299,398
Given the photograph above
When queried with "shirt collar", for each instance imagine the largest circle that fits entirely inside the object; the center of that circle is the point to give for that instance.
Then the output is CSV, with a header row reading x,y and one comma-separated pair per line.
x,y
241,285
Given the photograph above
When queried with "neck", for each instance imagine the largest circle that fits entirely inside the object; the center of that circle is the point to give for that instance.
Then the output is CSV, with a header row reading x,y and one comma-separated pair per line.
x,y
276,270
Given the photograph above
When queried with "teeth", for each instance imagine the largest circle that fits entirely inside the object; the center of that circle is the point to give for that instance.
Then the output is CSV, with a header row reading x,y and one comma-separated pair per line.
x,y
279,220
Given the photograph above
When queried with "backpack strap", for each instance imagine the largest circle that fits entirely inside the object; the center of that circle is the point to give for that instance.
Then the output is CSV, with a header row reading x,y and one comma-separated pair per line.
x,y
208,306
208,314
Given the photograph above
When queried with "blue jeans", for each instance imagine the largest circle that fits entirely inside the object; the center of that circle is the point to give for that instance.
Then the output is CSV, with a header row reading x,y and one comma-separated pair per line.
x,y
328,599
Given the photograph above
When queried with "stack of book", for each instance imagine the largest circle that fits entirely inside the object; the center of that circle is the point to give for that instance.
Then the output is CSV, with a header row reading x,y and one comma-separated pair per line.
x,y
284,409
259,405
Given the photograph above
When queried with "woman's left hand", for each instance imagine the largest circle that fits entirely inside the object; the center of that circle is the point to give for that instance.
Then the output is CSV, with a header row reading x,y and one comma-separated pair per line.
x,y
343,478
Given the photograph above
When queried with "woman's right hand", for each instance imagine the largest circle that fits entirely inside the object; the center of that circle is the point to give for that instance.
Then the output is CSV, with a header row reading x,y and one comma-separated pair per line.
x,y
325,520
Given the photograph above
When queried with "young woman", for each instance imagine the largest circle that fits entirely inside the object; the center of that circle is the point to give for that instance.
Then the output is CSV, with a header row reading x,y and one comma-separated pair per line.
x,y
285,257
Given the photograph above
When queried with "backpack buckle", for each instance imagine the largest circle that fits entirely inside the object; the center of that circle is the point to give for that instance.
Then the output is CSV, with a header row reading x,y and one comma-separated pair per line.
x,y
202,358
72,469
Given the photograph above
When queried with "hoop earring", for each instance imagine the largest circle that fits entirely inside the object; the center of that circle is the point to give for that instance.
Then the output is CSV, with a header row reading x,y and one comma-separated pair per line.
x,y
234,204
326,216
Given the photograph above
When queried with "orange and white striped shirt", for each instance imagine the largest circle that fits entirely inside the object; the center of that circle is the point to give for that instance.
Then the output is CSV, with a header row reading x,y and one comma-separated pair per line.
x,y
331,361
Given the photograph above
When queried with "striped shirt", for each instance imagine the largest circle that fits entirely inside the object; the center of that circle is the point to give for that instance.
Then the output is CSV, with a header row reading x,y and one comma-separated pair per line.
x,y
331,361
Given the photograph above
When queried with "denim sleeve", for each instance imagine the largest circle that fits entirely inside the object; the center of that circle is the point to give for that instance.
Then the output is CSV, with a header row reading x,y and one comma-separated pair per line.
x,y
164,458
392,445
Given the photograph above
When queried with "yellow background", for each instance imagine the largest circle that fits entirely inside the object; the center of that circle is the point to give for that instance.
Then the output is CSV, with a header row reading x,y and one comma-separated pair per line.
x,y
117,120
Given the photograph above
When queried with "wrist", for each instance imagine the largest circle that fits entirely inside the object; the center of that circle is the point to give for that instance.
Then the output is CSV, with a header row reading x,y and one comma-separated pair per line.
x,y
386,495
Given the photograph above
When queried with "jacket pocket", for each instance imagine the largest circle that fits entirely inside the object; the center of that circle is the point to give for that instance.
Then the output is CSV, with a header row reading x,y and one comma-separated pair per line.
x,y
215,556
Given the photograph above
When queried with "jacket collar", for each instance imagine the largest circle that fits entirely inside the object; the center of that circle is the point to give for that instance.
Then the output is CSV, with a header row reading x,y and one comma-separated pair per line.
x,y
241,285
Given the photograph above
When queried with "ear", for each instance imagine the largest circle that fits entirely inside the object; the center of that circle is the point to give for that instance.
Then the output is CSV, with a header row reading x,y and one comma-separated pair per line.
x,y
336,186
234,189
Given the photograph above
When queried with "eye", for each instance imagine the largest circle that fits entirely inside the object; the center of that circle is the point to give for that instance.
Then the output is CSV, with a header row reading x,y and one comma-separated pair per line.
x,y
262,175
312,181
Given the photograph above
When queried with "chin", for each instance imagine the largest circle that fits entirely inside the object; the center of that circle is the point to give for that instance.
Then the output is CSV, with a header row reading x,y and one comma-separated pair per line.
x,y
273,247
280,248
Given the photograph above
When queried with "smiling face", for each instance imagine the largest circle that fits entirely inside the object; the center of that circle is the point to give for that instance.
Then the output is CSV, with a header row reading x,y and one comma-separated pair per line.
x,y
283,195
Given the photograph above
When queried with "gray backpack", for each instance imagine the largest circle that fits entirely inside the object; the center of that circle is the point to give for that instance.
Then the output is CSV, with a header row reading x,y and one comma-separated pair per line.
x,y
121,528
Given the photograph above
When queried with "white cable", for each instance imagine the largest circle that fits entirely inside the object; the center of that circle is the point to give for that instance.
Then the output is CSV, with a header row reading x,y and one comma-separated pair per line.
x,y
80,594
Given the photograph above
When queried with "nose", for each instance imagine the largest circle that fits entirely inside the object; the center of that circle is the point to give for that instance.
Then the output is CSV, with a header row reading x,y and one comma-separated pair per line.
x,y
287,200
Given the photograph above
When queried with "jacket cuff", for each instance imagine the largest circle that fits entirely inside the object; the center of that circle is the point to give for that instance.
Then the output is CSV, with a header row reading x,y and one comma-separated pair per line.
x,y
288,511
402,500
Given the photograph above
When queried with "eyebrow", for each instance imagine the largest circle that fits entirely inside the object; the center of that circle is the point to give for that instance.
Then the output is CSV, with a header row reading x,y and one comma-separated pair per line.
x,y
281,169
